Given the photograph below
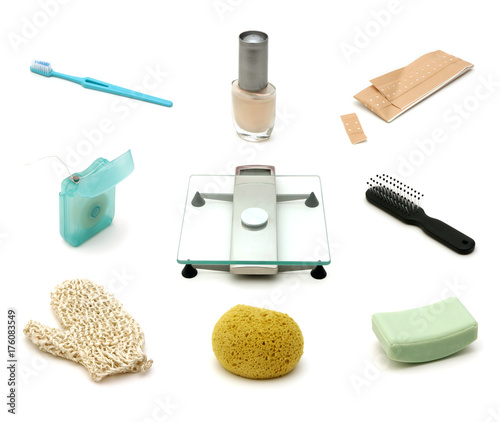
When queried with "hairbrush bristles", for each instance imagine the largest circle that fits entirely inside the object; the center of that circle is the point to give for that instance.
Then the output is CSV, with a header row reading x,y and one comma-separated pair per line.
x,y
395,193
40,66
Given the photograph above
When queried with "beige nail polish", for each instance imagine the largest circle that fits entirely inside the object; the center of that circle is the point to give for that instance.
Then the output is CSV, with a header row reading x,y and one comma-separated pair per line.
x,y
253,98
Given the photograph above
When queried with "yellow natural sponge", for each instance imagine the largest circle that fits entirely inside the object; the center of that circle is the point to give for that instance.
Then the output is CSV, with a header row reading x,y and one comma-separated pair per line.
x,y
257,343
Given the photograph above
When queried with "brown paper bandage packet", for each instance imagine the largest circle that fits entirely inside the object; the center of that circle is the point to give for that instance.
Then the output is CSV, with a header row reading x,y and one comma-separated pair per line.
x,y
390,95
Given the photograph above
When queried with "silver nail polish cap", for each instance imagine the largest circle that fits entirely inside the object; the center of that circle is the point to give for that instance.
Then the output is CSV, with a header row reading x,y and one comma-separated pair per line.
x,y
253,61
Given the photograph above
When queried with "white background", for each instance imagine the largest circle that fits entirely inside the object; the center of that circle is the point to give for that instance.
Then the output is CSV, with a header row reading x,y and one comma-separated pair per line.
x,y
378,263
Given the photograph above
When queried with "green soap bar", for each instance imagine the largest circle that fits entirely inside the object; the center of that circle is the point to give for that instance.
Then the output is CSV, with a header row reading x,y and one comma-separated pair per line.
x,y
425,334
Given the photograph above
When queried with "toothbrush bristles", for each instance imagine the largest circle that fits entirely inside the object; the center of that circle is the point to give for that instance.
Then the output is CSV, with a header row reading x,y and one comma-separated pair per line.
x,y
41,66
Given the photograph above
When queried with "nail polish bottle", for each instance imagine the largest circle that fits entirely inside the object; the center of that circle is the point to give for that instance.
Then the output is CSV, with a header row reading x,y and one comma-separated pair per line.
x,y
254,99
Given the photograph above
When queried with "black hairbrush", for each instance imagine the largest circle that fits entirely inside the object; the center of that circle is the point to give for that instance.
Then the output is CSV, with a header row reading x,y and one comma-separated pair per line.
x,y
403,202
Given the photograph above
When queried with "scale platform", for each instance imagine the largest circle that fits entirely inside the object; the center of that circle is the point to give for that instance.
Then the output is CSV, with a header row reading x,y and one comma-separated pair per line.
x,y
255,223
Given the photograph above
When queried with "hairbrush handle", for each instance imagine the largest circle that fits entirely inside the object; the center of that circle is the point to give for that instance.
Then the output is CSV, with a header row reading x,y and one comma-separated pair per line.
x,y
444,233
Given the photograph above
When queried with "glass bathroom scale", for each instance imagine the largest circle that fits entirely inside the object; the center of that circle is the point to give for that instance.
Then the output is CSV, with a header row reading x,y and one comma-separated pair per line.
x,y
254,222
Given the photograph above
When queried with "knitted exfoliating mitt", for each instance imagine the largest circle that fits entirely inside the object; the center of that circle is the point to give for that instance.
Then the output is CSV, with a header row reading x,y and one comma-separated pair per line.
x,y
97,332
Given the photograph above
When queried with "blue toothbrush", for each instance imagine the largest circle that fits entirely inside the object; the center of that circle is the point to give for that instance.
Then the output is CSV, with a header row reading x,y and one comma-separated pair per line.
x,y
45,69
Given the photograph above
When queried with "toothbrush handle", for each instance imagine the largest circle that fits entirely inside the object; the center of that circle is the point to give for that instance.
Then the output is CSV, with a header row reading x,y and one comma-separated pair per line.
x,y
75,79
113,89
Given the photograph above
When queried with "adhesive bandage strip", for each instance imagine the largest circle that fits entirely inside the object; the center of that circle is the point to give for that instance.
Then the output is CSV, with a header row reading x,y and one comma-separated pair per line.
x,y
390,95
353,128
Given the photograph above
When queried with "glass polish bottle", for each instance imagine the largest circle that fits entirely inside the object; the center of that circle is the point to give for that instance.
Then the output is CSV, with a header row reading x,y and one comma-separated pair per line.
x,y
253,98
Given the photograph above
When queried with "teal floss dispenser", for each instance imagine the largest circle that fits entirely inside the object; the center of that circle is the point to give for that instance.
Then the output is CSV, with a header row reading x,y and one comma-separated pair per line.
x,y
87,199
